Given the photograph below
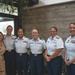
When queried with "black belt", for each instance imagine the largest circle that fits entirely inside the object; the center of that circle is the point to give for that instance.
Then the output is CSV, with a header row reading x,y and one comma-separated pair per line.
x,y
36,54
48,55
55,57
10,50
21,54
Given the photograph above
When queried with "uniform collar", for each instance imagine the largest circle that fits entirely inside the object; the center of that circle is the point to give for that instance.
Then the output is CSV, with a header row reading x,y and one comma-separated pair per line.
x,y
36,40
72,37
9,35
22,38
53,37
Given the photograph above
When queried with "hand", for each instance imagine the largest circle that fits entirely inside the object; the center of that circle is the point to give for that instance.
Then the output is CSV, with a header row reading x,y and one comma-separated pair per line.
x,y
68,62
48,59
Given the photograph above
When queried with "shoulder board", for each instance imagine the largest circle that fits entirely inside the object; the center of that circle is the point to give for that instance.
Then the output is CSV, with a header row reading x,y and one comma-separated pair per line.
x,y
58,37
26,37
31,38
41,38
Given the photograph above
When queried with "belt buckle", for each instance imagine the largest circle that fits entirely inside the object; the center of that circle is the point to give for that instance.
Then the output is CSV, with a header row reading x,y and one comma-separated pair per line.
x,y
20,54
35,54
9,50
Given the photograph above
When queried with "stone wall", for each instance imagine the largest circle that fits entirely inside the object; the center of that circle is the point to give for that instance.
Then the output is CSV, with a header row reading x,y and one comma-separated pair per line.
x,y
59,15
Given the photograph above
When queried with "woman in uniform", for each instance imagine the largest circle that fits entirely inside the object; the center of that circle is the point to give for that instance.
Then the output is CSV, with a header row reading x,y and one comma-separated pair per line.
x,y
53,53
70,51
37,47
21,53
2,50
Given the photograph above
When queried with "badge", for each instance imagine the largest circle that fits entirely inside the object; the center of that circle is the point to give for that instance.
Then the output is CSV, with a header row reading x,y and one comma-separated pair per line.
x,y
24,41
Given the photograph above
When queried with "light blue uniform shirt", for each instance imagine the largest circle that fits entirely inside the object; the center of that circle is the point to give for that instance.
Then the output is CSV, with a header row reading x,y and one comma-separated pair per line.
x,y
36,46
9,42
21,45
70,48
53,44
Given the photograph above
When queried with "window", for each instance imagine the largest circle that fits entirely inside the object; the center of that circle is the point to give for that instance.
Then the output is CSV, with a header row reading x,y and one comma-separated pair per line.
x,y
4,22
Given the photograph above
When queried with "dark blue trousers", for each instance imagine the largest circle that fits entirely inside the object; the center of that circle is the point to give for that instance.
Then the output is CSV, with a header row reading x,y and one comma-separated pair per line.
x,y
71,69
36,64
10,62
22,63
54,67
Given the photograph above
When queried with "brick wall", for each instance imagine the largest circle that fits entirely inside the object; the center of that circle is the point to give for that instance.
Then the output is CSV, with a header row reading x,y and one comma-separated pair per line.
x,y
59,15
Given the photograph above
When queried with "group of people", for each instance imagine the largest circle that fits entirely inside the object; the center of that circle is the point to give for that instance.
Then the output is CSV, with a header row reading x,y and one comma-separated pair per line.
x,y
16,53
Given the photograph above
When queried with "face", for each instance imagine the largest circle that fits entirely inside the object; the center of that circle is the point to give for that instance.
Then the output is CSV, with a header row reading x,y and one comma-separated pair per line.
x,y
9,30
20,33
35,33
1,37
72,29
53,32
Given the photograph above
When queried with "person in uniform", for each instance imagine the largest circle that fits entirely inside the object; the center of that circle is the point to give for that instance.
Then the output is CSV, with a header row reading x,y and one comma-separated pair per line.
x,y
36,46
9,55
21,53
70,51
2,50
53,53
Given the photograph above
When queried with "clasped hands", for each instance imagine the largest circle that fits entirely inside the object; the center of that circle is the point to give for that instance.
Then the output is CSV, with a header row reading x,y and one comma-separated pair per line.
x,y
48,58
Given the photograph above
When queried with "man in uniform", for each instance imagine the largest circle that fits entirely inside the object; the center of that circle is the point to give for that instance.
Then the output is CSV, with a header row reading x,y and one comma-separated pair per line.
x,y
36,46
9,41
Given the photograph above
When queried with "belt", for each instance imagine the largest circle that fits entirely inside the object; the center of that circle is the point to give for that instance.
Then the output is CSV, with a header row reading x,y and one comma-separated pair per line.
x,y
21,54
48,55
36,54
55,57
10,50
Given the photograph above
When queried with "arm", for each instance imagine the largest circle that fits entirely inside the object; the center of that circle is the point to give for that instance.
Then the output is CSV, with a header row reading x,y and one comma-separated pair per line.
x,y
68,62
73,60
45,53
28,47
2,51
59,47
46,57
65,55
56,53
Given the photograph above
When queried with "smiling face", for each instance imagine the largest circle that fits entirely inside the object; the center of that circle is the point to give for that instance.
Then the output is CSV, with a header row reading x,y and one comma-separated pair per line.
x,y
53,31
9,30
1,36
20,33
35,33
72,29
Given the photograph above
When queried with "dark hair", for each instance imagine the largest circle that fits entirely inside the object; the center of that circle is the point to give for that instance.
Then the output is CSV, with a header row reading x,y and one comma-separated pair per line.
x,y
21,29
54,28
72,23
2,35
9,26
